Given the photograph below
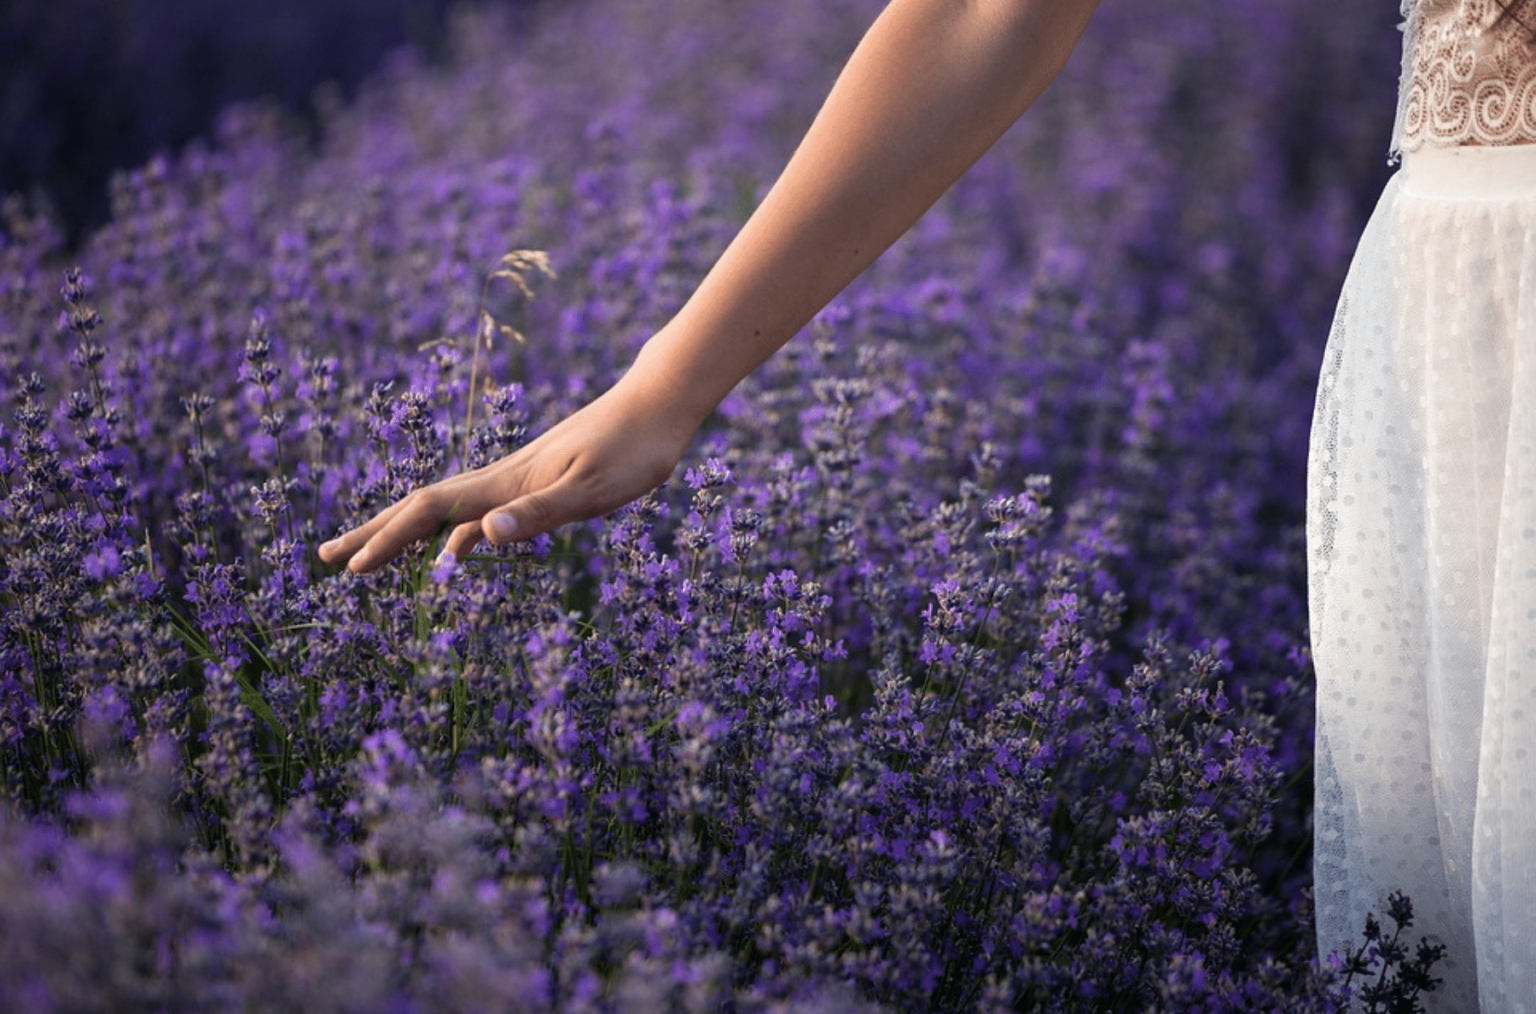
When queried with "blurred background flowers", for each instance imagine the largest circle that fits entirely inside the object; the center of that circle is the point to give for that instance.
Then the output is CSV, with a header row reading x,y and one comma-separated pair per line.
x,y
90,86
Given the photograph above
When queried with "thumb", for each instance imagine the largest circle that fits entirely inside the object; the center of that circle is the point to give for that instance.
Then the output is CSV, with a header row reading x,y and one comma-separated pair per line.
x,y
532,514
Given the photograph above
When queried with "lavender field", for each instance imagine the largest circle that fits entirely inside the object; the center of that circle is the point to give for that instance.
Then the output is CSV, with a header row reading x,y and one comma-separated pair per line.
x,y
961,667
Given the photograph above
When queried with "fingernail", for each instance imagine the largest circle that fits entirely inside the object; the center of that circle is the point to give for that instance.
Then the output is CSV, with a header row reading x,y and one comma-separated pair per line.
x,y
502,526
446,559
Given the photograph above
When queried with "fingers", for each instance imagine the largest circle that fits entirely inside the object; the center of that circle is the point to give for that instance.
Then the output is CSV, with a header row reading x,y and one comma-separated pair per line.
x,y
524,518
541,511
461,541
423,513
340,549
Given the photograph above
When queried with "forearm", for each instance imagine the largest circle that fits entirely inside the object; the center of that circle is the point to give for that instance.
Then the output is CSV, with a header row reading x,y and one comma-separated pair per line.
x,y
931,87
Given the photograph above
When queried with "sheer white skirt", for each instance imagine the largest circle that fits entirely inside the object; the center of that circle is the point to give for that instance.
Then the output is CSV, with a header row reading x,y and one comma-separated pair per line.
x,y
1421,528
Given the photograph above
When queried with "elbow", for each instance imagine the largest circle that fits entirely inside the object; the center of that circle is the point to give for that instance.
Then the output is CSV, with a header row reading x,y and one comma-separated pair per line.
x,y
1043,32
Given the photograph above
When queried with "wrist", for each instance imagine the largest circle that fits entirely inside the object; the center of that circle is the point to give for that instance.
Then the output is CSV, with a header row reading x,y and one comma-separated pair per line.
x,y
670,372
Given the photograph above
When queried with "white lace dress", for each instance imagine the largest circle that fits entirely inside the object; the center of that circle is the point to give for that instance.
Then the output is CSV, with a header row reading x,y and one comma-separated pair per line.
x,y
1422,525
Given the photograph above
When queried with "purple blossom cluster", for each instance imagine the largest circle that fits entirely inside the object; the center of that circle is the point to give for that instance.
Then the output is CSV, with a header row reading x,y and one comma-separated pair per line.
x,y
859,711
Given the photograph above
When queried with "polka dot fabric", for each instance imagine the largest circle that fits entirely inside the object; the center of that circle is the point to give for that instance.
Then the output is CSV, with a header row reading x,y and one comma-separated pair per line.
x,y
1422,546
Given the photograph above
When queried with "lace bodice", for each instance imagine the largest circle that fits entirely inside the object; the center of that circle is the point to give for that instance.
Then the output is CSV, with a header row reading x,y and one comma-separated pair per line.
x,y
1468,78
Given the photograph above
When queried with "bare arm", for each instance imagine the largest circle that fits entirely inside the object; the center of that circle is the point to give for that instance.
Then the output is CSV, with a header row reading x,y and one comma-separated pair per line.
x,y
929,89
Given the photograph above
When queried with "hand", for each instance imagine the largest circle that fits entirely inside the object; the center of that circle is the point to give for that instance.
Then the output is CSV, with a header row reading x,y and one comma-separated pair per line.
x,y
616,449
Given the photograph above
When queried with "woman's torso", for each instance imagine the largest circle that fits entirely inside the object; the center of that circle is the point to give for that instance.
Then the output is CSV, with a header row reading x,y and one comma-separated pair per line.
x,y
1469,75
